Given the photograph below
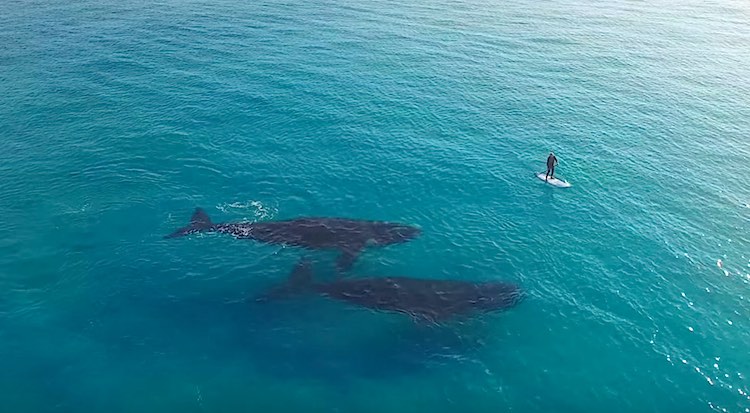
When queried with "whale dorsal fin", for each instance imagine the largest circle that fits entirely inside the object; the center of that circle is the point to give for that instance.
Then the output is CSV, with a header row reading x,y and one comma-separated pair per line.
x,y
300,279
348,255
200,221
200,218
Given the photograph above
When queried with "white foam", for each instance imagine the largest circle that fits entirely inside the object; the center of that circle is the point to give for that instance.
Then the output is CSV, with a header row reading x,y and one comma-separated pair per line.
x,y
259,210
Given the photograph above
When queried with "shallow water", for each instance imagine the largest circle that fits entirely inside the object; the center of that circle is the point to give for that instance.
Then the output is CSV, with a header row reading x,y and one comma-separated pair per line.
x,y
117,119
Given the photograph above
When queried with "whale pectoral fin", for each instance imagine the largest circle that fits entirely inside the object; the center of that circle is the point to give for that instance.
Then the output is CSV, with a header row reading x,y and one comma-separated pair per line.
x,y
347,258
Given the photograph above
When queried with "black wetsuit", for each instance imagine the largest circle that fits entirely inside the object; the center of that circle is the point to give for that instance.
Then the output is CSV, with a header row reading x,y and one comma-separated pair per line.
x,y
551,161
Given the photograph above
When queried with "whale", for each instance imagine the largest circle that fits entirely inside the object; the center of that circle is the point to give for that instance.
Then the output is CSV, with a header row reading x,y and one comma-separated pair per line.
x,y
424,300
349,236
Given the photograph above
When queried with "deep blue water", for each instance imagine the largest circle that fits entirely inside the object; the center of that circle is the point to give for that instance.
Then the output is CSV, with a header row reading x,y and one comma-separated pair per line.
x,y
118,118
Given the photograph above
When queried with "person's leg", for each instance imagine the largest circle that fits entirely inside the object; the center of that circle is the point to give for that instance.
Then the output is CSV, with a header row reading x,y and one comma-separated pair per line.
x,y
552,172
547,176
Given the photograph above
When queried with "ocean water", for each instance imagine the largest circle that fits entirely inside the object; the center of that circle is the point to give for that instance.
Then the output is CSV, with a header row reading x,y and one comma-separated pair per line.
x,y
118,118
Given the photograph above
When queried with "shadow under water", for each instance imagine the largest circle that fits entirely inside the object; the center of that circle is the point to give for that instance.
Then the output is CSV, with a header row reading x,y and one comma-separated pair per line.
x,y
305,338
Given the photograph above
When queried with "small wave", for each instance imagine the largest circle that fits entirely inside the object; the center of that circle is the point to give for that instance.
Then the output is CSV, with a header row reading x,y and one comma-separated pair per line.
x,y
259,210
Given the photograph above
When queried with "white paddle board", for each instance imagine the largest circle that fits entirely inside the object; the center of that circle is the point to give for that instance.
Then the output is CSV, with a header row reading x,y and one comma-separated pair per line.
x,y
554,181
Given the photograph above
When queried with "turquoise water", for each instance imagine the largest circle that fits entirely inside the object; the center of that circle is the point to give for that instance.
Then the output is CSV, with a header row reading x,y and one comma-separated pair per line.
x,y
118,118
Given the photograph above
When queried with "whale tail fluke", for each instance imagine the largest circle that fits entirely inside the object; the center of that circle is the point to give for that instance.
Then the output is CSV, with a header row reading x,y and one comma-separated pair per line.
x,y
200,221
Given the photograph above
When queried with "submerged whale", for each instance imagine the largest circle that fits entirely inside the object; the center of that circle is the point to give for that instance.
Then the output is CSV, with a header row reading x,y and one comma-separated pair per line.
x,y
422,299
346,235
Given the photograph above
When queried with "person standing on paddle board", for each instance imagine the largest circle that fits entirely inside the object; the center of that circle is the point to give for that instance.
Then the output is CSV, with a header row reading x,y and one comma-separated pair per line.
x,y
551,163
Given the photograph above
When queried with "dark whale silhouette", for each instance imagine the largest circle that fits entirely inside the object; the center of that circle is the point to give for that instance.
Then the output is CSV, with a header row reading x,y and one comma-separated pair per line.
x,y
422,299
346,235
